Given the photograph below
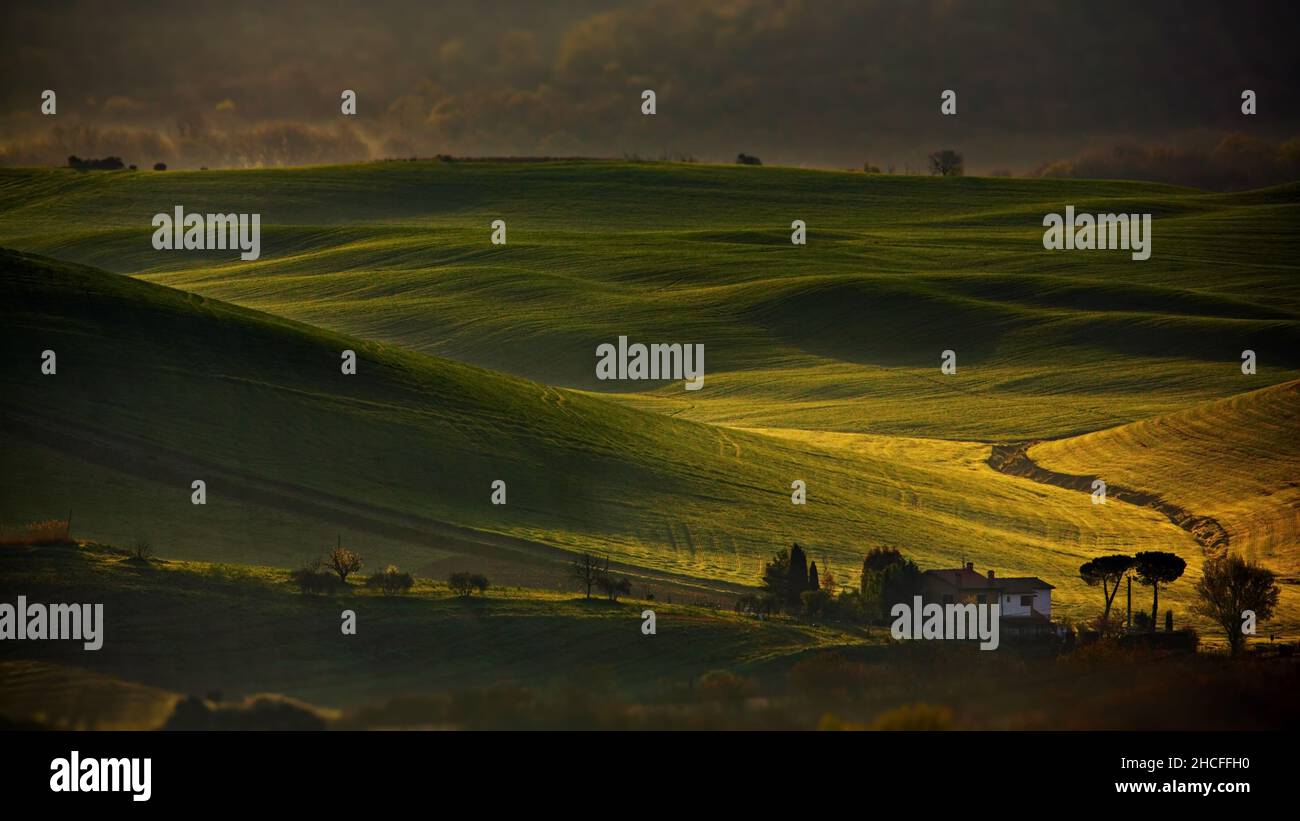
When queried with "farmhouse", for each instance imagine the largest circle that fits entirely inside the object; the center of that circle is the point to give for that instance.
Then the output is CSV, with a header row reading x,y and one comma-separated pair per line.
x,y
1025,601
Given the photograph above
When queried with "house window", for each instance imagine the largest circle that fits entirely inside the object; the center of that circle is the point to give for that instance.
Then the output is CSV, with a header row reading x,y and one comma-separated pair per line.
x,y
1026,601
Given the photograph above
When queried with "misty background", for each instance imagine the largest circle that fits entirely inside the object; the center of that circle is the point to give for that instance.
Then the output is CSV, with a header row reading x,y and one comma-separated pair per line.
x,y
1103,89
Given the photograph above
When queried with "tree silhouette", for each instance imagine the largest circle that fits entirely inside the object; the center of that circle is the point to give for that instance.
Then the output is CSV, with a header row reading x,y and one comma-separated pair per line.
x,y
343,561
1108,571
587,569
776,576
1154,568
1229,586
946,163
798,573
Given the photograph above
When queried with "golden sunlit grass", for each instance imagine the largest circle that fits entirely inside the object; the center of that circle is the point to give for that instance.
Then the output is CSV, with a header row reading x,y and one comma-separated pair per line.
x,y
1236,460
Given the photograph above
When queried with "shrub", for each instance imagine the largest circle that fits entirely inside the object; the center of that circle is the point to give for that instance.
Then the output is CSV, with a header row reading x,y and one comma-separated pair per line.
x,y
614,586
312,580
832,722
160,166
918,716
260,712
814,602
723,686
479,582
390,581
142,550
461,583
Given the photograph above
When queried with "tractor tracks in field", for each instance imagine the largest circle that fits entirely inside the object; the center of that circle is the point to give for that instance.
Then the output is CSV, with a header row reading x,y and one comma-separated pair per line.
x,y
1013,459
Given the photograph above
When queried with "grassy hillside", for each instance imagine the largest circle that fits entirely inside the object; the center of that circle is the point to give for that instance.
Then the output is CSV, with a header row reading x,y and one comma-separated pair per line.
x,y
842,334
1233,459
156,388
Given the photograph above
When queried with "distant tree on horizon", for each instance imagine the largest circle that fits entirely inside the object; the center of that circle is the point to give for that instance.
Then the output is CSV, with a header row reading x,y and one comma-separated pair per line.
x,y
105,164
946,163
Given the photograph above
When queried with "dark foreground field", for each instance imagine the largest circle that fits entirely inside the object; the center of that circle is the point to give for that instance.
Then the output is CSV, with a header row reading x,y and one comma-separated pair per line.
x,y
199,645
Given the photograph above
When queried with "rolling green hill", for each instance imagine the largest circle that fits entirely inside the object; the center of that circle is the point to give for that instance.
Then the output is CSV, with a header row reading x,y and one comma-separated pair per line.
x,y
842,334
157,387
477,364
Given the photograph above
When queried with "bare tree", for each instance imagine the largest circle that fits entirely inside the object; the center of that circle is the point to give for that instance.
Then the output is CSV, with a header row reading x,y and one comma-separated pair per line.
x,y
587,571
946,163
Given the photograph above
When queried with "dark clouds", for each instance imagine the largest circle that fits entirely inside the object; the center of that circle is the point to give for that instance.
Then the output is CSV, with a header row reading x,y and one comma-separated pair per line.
x,y
826,83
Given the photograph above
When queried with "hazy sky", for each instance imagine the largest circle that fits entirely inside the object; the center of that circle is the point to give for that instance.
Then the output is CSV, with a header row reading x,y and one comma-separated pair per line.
x,y
829,83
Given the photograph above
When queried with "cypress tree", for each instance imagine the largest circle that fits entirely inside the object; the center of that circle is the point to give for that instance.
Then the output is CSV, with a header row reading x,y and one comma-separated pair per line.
x,y
798,572
813,582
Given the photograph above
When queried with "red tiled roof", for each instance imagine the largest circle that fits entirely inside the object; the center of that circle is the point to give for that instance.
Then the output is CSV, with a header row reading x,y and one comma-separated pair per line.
x,y
965,579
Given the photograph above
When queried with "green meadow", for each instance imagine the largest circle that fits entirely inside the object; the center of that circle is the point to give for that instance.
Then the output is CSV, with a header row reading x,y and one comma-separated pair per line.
x,y
476,363
842,334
